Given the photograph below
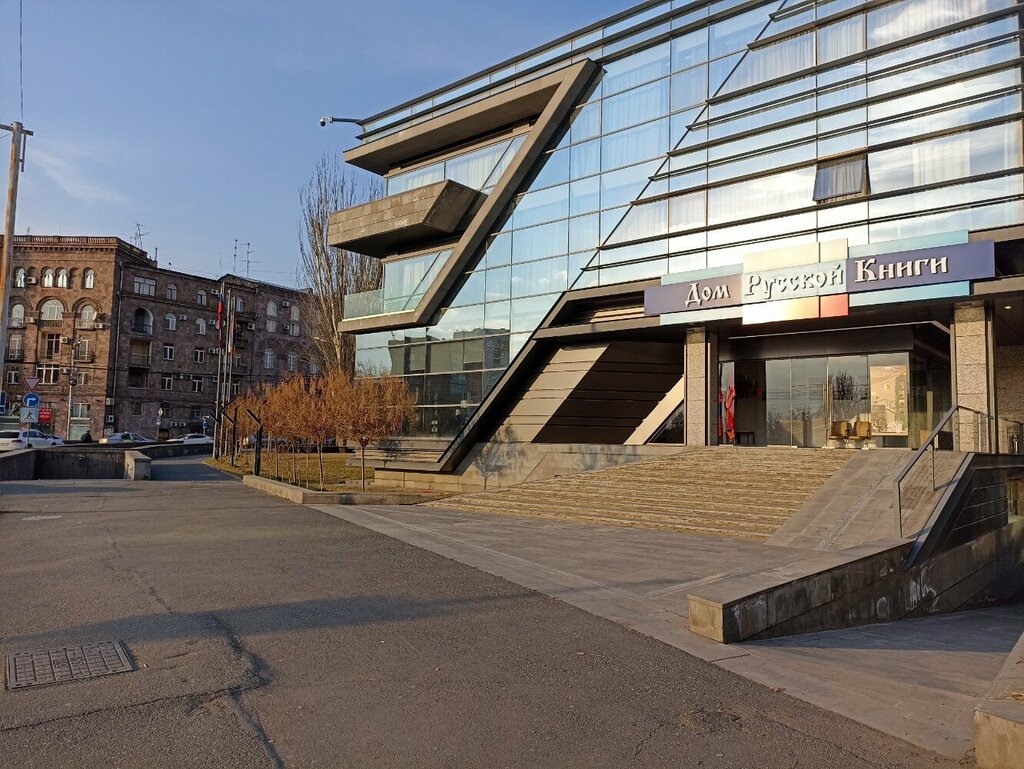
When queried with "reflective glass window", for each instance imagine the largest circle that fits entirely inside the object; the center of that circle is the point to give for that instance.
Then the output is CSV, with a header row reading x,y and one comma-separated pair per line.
x,y
737,32
540,242
539,277
542,206
634,145
690,49
638,68
637,106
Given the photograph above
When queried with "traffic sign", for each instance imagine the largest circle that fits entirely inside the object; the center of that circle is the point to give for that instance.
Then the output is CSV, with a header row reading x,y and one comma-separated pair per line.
x,y
45,414
29,415
30,399
3,402
31,382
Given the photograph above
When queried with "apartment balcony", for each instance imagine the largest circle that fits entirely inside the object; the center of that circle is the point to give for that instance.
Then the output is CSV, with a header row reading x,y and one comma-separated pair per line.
x,y
49,322
401,221
16,322
139,359
142,329
85,325
14,355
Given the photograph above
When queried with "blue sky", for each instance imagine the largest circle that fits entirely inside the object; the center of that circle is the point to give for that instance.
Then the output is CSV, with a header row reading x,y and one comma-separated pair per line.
x,y
199,118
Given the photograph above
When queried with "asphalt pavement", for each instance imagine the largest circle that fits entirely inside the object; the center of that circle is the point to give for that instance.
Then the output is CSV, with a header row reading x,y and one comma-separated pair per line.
x,y
266,634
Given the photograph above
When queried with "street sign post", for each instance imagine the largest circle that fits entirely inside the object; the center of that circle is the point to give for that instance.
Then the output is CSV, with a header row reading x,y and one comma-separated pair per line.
x,y
29,416
30,400
3,402
31,382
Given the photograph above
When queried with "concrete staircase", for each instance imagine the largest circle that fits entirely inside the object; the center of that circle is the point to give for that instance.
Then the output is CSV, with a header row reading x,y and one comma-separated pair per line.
x,y
722,491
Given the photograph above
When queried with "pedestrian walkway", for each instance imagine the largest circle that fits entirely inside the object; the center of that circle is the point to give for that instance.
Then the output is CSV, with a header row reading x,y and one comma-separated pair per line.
x,y
917,679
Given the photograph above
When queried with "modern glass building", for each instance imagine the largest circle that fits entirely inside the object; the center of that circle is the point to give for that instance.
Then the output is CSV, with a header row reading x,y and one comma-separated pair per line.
x,y
793,222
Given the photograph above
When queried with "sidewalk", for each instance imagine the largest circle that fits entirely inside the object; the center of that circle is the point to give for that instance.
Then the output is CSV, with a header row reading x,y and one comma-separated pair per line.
x,y
918,679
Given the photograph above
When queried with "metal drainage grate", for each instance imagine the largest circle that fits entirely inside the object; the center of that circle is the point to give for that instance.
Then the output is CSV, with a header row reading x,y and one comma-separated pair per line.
x,y
68,663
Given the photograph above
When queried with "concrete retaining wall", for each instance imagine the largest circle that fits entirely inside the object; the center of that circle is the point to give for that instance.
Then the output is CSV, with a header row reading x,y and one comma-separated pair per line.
x,y
18,465
999,720
88,461
137,466
306,497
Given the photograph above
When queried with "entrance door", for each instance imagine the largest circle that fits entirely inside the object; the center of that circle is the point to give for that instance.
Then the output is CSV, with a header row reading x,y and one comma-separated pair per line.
x,y
795,396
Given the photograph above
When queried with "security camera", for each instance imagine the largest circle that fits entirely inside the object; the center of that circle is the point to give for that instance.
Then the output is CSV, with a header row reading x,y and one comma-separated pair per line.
x,y
324,121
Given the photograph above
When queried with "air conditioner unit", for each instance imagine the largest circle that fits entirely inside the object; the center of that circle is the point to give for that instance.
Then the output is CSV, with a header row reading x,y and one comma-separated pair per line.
x,y
31,281
30,319
251,326
63,371
182,376
212,350
99,326
183,317
109,402
65,340
286,303
110,419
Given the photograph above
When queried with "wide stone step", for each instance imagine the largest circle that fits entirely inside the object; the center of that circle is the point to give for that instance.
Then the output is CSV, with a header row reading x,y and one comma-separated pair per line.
x,y
581,501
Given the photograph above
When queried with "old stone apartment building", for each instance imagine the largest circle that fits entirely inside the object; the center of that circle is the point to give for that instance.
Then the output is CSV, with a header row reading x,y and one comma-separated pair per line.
x,y
96,319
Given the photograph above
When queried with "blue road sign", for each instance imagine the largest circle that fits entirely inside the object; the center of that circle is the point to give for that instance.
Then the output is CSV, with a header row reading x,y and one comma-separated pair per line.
x,y
30,400
3,402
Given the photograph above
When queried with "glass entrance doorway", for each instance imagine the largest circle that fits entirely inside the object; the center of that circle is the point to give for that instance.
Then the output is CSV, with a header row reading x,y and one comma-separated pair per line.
x,y
848,401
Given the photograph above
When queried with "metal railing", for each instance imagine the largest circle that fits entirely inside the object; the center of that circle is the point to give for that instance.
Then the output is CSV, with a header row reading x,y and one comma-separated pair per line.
x,y
961,431
142,328
139,359
14,354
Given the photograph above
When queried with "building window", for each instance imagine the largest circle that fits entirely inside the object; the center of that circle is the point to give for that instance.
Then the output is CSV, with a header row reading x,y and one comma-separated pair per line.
x,y
145,286
269,358
166,382
201,327
171,322
295,312
235,387
52,309
142,321
62,278
239,304
48,278
199,355
89,279
313,369
168,351
81,410
271,325
13,377
82,378
14,347
293,361
88,315
197,384
136,408
17,317
271,309
201,298
171,291
293,329
48,373
53,345
19,277
843,178
196,412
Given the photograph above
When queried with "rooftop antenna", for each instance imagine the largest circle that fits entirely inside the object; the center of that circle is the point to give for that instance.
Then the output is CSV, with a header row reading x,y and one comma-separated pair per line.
x,y
248,261
138,236
234,259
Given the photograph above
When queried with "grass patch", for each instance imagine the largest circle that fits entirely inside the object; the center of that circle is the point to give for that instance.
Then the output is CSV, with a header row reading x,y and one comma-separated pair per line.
x,y
305,471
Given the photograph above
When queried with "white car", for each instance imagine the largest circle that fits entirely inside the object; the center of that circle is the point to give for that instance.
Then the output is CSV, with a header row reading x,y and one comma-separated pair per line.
x,y
126,438
195,438
54,440
12,440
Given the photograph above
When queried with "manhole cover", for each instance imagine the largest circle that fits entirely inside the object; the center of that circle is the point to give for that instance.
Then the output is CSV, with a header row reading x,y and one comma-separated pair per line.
x,y
68,663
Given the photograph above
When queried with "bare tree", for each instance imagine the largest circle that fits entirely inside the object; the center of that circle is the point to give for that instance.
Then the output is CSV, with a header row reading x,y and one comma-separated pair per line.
x,y
330,273
377,408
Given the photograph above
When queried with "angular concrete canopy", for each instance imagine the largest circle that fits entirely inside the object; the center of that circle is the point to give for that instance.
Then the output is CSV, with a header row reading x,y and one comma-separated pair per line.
x,y
401,221
562,90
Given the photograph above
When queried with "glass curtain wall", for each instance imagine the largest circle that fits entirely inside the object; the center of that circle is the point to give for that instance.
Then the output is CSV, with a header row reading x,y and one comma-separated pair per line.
x,y
724,140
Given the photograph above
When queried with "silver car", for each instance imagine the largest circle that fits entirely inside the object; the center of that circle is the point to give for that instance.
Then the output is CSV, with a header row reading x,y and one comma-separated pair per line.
x,y
12,440
126,438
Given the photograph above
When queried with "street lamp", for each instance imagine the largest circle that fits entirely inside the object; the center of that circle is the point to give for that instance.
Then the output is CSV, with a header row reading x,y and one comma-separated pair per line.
x,y
72,381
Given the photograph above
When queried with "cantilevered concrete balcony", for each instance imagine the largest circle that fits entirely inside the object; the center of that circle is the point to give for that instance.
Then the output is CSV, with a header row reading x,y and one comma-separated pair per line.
x,y
402,221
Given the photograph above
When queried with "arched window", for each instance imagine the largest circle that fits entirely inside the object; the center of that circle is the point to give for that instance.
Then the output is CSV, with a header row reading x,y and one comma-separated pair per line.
x,y
142,321
201,327
89,279
269,358
201,298
271,309
239,304
172,291
17,319
87,315
62,278
19,277
295,312
48,278
52,309
171,321
293,361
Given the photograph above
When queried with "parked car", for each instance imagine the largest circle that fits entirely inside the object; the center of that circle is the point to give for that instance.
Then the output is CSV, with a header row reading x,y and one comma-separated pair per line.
x,y
194,438
126,438
54,440
12,440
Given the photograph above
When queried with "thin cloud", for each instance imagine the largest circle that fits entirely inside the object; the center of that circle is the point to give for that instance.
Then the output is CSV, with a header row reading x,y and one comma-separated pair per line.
x,y
68,166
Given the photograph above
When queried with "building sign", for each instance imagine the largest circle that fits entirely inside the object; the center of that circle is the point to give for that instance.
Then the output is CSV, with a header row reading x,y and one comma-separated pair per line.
x,y
45,414
760,291
924,267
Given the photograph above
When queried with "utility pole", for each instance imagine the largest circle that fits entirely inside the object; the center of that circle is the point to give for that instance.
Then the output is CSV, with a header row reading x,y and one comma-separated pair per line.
x,y
18,135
